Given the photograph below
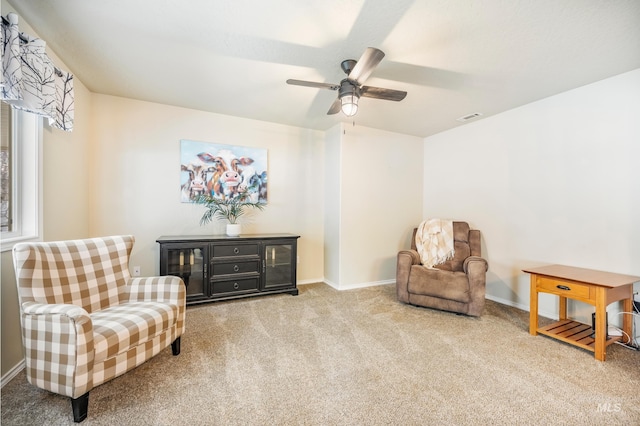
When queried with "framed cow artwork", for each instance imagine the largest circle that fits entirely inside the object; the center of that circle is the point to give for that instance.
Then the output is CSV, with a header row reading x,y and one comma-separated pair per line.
x,y
222,171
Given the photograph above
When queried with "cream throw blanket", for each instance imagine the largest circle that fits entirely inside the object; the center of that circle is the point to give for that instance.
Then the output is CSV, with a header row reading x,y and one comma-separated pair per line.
x,y
434,241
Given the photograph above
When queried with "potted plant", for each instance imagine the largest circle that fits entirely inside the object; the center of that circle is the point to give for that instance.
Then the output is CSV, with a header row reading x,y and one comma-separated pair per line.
x,y
227,208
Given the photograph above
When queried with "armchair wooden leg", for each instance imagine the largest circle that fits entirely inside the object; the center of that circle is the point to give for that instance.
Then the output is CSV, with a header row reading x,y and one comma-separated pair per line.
x,y
175,347
80,407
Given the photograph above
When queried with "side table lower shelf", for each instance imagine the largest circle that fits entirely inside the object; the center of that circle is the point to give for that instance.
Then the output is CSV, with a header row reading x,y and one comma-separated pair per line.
x,y
574,333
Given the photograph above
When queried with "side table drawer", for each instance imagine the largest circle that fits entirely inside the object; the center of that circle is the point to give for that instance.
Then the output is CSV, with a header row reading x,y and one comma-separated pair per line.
x,y
564,288
231,250
244,285
235,268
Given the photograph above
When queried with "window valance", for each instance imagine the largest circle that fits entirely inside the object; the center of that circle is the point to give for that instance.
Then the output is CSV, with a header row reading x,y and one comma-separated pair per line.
x,y
30,81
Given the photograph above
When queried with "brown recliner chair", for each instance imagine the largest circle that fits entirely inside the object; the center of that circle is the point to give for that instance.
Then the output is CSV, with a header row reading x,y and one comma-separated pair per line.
x,y
457,285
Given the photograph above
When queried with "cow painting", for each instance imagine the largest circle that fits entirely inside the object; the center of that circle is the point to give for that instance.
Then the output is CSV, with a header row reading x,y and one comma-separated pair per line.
x,y
196,183
222,171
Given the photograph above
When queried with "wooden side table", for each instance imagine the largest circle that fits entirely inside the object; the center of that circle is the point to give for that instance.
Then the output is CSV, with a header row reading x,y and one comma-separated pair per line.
x,y
596,288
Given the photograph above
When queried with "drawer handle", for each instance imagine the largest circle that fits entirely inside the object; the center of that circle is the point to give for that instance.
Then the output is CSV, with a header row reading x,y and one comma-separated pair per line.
x,y
236,268
236,250
236,286
563,287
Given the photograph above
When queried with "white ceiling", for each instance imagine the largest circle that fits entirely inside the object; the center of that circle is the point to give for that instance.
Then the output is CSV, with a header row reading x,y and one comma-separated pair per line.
x,y
233,57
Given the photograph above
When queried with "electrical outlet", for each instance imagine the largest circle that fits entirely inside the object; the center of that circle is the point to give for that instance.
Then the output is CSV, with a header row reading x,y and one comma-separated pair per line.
x,y
136,271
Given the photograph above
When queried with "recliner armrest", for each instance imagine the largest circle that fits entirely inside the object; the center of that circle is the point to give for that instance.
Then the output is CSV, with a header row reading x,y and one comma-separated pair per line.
x,y
412,254
406,260
474,260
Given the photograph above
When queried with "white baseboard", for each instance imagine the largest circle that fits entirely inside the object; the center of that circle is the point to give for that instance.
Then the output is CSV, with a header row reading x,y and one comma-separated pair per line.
x,y
331,284
507,302
367,284
344,287
357,285
12,373
551,315
311,281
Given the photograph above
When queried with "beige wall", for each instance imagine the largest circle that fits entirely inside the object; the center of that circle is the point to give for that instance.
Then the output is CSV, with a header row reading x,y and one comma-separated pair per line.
x,y
135,177
376,178
67,169
555,181
333,171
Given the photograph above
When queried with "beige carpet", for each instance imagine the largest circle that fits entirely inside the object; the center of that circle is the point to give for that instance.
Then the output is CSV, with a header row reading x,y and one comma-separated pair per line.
x,y
355,357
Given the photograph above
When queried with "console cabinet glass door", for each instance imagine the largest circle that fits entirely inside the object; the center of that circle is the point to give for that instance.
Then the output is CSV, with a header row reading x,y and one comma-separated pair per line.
x,y
189,263
279,265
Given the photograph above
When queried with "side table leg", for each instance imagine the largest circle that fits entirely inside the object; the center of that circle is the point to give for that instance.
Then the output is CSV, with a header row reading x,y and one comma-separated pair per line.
x,y
533,307
601,324
563,308
627,306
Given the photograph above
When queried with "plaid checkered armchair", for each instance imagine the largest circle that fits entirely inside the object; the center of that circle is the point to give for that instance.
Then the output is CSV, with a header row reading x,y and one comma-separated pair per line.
x,y
85,320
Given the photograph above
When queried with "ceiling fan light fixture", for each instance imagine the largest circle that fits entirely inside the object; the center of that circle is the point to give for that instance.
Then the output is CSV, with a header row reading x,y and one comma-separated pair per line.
x,y
349,104
351,88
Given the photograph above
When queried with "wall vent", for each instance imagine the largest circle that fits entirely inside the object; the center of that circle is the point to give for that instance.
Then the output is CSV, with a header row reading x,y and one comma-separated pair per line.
x,y
469,117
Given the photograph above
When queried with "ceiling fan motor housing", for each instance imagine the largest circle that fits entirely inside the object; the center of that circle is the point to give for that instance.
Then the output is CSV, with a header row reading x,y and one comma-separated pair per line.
x,y
348,87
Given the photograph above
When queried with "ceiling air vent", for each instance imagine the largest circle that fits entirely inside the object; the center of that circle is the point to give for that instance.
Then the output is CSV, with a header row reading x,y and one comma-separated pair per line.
x,y
469,117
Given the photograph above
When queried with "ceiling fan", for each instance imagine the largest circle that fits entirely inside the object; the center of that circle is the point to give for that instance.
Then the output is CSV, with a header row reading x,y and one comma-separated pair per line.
x,y
351,89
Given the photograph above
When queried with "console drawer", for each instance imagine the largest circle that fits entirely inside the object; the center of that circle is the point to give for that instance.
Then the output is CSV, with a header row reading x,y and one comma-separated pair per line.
x,y
564,288
244,285
235,268
231,250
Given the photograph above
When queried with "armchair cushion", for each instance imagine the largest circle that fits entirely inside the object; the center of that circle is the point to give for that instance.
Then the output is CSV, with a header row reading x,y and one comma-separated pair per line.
x,y
437,283
122,327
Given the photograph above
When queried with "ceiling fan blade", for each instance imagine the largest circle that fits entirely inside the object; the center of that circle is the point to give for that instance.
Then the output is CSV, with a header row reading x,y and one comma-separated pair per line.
x,y
366,64
335,107
379,93
313,84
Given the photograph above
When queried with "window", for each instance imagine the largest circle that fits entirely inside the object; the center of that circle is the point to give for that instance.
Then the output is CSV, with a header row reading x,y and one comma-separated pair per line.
x,y
20,154
6,210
